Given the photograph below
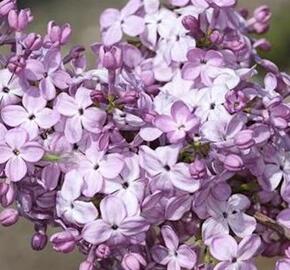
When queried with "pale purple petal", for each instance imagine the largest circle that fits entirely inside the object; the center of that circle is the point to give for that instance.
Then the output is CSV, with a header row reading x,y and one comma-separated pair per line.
x,y
111,166
109,17
16,138
113,35
33,104
73,129
14,115
160,254
5,153
47,88
72,185
66,105
113,210
32,152
97,232
165,123
47,118
186,257
170,238
93,119
224,247
134,26
15,174
249,247
134,225
242,224
84,212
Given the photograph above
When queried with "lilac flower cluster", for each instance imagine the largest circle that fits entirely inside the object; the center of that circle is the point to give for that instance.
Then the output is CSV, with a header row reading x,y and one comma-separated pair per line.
x,y
169,154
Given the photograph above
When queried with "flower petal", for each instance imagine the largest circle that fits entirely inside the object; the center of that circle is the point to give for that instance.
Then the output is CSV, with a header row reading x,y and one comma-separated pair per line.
x,y
97,232
14,174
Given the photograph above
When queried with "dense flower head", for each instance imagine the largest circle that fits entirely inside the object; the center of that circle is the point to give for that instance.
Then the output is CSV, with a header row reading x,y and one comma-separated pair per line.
x,y
172,152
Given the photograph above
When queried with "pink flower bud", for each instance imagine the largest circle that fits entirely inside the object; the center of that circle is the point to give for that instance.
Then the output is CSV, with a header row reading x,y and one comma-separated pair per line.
x,y
9,217
86,265
263,44
3,189
64,241
103,251
19,20
97,96
216,37
9,197
233,163
235,101
133,261
57,35
39,241
198,169
16,64
245,139
262,16
192,24
6,6
111,58
32,42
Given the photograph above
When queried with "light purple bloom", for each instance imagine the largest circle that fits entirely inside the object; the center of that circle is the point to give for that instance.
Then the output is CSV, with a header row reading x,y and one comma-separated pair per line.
x,y
69,206
17,151
79,114
226,215
32,116
174,255
114,23
116,226
95,166
10,88
48,74
233,255
166,173
179,124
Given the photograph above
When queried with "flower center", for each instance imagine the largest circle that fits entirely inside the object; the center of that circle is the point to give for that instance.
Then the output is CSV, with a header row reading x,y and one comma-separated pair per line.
x,y
31,117
16,152
6,89
81,111
114,227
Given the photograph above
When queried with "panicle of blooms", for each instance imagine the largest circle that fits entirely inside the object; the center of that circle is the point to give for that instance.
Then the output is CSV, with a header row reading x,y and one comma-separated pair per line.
x,y
172,152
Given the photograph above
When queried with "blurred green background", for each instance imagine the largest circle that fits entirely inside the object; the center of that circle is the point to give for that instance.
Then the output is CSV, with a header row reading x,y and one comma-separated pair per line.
x,y
15,252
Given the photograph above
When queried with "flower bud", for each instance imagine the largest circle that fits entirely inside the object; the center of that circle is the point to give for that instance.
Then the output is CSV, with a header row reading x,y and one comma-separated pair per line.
x,y
39,241
86,265
97,96
19,20
133,261
235,101
263,44
9,197
216,37
9,217
64,241
103,251
3,189
6,6
130,97
262,16
245,139
192,24
111,58
198,169
16,64
32,42
233,163
57,35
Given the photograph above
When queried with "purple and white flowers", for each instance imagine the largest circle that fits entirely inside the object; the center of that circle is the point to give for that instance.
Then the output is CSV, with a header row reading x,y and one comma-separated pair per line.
x,y
168,154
